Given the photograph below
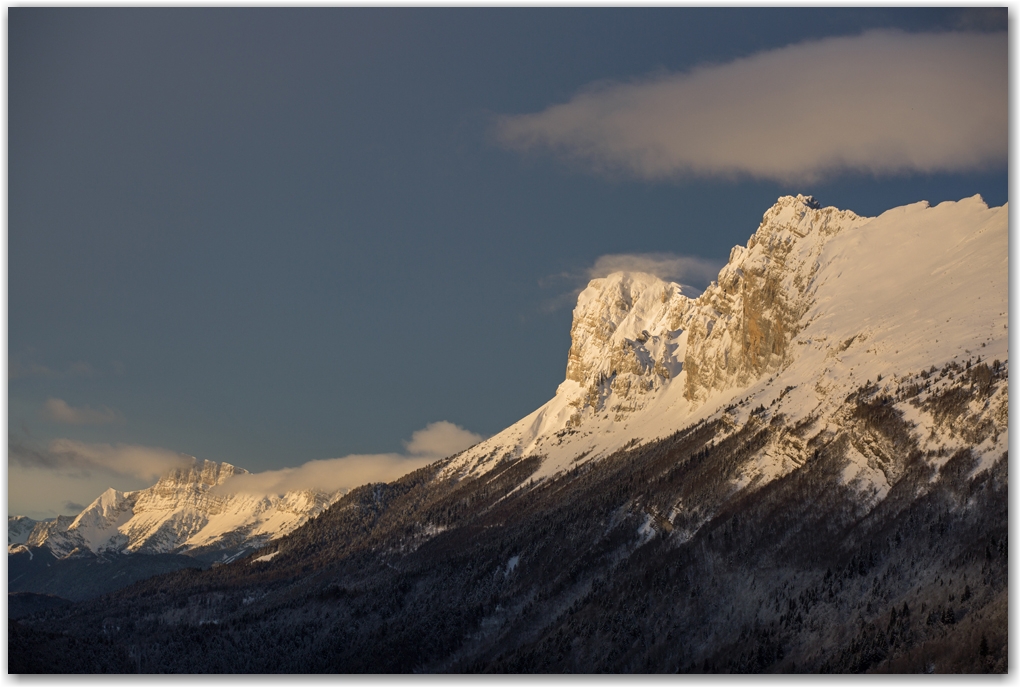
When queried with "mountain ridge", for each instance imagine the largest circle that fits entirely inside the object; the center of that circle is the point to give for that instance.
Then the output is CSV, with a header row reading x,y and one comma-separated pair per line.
x,y
180,513
776,309
829,495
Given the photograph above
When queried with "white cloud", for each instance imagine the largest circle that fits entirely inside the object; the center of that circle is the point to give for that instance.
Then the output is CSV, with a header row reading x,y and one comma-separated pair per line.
x,y
81,468
327,475
441,439
884,102
79,459
437,440
58,410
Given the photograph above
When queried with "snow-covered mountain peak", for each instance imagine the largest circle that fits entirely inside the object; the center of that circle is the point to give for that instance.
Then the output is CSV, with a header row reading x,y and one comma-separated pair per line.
x,y
818,302
746,320
181,512
622,339
109,504
632,332
19,527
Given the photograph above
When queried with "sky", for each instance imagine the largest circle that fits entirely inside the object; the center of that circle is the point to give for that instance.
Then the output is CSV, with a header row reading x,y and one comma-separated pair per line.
x,y
329,245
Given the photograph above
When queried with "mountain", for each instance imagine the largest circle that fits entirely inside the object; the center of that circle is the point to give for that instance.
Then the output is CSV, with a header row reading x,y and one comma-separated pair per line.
x,y
18,529
804,469
819,302
188,519
183,512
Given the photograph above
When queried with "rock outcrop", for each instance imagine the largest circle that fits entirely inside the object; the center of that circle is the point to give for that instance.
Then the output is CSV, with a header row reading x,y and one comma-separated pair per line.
x,y
624,342
820,303
744,322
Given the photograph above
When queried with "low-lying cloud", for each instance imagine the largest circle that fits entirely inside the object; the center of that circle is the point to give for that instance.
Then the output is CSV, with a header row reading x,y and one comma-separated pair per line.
x,y
144,465
884,102
693,273
437,440
57,409
59,476
80,459
329,475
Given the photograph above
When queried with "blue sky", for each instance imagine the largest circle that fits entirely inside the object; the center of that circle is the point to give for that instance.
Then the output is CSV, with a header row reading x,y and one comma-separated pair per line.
x,y
269,237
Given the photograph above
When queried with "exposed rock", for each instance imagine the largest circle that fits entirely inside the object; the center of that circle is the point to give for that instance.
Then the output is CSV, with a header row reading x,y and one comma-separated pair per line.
x,y
817,303
745,322
623,340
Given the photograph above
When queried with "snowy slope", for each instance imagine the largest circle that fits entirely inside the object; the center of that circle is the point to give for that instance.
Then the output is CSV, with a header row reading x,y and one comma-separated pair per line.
x,y
180,513
18,529
819,302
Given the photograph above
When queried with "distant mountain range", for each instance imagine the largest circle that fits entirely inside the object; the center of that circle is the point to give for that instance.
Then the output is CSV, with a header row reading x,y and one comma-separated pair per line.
x,y
181,513
803,469
183,518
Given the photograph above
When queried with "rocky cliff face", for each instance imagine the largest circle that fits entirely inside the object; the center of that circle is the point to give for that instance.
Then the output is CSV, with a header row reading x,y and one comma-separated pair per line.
x,y
820,303
182,512
744,323
632,332
624,343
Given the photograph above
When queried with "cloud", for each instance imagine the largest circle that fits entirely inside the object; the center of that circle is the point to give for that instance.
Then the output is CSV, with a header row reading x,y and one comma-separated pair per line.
x,y
693,273
76,470
78,459
437,440
669,266
60,411
884,102
441,439
327,475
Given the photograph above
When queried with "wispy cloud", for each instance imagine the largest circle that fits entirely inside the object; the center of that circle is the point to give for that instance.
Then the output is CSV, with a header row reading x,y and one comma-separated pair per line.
x,y
16,369
78,459
437,440
69,460
679,268
693,273
58,410
884,102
